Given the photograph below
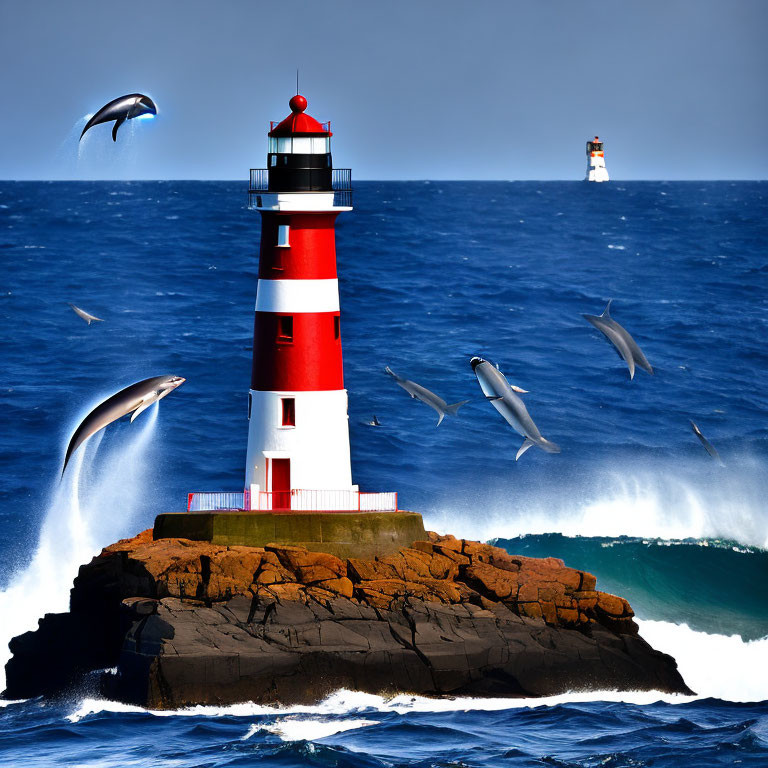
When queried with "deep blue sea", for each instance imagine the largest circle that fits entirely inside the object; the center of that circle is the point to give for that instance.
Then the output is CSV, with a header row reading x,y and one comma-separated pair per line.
x,y
430,274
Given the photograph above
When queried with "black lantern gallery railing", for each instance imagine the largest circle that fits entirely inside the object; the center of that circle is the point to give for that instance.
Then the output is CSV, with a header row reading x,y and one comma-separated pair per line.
x,y
341,183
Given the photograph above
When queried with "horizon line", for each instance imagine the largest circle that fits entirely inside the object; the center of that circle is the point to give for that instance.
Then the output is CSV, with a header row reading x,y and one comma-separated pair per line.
x,y
398,181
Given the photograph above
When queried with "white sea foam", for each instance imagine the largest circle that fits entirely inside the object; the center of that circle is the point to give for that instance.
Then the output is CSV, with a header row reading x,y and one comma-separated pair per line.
x,y
652,502
307,729
345,702
718,666
87,511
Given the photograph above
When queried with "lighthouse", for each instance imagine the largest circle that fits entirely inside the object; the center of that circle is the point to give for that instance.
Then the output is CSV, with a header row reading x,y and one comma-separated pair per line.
x,y
298,487
298,429
596,170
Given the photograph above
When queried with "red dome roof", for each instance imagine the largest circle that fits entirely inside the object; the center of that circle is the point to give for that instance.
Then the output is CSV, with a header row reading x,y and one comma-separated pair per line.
x,y
300,123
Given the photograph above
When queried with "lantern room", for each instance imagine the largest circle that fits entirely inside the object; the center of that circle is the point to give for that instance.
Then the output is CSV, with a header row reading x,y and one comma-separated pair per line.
x,y
299,156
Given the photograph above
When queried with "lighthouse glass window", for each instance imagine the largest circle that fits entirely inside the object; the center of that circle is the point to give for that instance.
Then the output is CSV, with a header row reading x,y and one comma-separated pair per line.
x,y
299,145
288,412
285,329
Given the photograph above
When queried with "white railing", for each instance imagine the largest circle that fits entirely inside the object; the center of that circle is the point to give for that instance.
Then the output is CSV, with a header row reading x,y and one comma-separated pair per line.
x,y
297,500
204,501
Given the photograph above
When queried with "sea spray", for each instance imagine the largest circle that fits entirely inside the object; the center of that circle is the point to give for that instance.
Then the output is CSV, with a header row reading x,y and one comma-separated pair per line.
x,y
93,505
716,666
643,498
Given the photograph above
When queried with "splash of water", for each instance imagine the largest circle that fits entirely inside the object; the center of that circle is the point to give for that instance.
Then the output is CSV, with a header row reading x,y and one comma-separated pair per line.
x,y
718,666
654,501
94,505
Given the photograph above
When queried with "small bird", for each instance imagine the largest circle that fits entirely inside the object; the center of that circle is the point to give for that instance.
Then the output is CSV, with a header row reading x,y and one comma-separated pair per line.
x,y
708,447
87,316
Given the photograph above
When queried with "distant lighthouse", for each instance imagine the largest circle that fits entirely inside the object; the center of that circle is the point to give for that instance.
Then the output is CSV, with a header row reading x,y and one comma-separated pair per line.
x,y
298,435
596,170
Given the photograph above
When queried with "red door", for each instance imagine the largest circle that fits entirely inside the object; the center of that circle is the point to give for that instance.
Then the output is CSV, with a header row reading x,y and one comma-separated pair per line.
x,y
281,483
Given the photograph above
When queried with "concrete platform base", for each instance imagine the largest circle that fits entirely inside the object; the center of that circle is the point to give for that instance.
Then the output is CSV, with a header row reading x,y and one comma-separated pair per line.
x,y
344,534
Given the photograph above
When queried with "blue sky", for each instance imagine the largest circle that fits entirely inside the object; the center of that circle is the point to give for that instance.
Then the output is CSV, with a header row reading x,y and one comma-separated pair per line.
x,y
421,89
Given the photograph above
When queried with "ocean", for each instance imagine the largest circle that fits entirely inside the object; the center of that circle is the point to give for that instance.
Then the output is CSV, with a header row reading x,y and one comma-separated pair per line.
x,y
431,274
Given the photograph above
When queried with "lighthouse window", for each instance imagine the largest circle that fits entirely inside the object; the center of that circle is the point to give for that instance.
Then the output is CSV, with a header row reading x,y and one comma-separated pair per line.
x,y
320,145
302,145
282,236
285,328
336,327
288,412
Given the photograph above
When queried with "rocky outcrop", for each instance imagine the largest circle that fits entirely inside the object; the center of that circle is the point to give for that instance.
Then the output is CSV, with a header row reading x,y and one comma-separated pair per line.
x,y
189,622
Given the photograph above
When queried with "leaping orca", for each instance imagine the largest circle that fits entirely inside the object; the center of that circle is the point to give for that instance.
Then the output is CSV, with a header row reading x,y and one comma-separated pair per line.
x,y
120,110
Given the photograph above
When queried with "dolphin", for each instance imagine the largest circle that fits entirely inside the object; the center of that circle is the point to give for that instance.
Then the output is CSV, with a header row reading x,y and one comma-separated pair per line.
x,y
417,392
374,422
137,398
501,394
710,449
87,316
625,345
120,110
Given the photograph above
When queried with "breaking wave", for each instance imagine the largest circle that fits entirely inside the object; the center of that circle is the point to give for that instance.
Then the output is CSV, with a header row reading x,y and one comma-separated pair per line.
x,y
94,504
707,584
657,501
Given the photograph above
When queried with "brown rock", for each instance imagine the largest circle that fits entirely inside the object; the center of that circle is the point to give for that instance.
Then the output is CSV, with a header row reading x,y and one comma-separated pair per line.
x,y
450,542
588,581
342,586
452,554
532,610
615,607
549,612
496,584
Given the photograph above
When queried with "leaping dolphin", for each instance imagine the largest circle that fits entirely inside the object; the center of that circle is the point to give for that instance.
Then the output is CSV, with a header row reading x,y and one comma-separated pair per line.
x,y
417,392
625,345
708,447
501,394
137,398
87,316
120,110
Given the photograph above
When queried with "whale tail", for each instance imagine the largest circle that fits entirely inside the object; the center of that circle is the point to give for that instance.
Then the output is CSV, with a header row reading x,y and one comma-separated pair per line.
x,y
451,410
545,445
549,446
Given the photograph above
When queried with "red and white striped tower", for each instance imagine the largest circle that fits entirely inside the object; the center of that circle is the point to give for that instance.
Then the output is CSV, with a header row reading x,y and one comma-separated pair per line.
x,y
298,436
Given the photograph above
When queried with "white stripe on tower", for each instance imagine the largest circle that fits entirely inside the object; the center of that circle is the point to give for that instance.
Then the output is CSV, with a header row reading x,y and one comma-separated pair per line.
x,y
295,296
